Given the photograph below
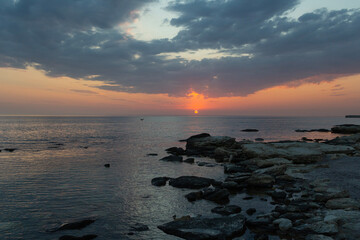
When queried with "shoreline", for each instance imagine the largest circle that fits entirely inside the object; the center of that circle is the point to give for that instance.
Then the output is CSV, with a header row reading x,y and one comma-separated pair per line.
x,y
305,205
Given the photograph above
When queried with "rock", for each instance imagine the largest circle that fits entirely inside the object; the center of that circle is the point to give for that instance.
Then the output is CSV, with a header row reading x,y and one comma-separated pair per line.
x,y
274,170
230,168
176,151
151,154
231,185
172,158
191,182
283,223
251,211
346,129
107,165
85,237
207,145
261,237
263,163
189,160
226,210
342,203
206,164
74,225
194,196
313,130
262,225
159,181
201,135
261,180
345,140
206,228
217,195
259,139
324,228
318,237
139,227
9,149
250,130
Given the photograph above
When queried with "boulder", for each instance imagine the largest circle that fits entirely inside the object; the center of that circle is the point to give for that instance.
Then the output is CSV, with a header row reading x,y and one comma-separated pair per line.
x,y
227,210
283,223
199,228
159,181
346,129
172,158
176,151
217,195
260,180
191,182
342,203
345,140
208,143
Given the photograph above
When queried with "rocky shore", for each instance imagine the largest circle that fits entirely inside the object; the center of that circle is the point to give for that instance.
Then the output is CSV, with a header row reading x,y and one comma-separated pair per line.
x,y
303,207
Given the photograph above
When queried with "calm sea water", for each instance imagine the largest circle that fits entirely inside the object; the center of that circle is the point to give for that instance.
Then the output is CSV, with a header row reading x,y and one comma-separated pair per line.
x,y
57,175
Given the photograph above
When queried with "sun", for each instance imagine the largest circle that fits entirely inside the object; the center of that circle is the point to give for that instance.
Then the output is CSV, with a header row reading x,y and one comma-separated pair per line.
x,y
196,111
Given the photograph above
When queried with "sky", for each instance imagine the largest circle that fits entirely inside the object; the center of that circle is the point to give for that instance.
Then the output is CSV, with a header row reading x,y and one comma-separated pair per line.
x,y
148,57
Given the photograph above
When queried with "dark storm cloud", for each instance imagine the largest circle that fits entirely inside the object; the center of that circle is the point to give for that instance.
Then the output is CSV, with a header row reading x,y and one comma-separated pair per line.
x,y
80,39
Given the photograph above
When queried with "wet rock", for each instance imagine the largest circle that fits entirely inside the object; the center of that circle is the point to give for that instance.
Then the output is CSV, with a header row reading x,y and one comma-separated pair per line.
x,y
261,237
274,170
191,182
201,135
107,165
189,160
9,149
85,237
176,151
151,154
206,228
248,198
345,140
172,158
207,145
230,168
194,196
217,195
139,227
342,203
231,185
324,228
318,237
226,210
346,129
250,130
251,211
262,225
283,223
264,163
261,180
74,225
159,181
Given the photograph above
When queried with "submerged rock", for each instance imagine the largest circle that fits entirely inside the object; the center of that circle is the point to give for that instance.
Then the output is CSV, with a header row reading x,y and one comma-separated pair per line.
x,y
172,158
206,228
85,237
74,225
226,210
191,182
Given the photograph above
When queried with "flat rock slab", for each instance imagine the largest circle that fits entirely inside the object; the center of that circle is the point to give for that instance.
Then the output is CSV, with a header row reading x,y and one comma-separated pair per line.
x,y
346,129
191,182
206,228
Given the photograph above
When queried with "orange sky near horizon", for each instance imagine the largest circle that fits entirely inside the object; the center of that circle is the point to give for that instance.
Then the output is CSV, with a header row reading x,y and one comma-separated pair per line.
x,y
30,92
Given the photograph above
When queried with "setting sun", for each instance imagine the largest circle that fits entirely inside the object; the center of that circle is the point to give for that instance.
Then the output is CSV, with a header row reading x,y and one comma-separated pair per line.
x,y
196,111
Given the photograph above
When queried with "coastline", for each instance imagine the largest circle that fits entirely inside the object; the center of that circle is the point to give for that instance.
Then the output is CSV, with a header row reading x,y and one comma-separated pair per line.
x,y
292,174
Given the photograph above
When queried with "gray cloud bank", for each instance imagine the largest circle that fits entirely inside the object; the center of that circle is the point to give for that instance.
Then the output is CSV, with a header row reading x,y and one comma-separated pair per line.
x,y
80,39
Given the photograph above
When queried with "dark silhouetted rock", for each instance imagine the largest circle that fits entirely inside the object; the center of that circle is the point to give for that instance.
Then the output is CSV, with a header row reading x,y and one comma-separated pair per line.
x,y
191,182
313,130
176,151
251,211
172,158
194,196
85,237
139,227
159,181
250,130
346,129
226,210
259,139
151,154
107,165
217,195
10,149
189,160
74,225
201,135
206,228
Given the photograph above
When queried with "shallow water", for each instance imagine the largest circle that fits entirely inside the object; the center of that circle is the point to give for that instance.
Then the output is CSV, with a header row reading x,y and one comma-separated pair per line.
x,y
57,175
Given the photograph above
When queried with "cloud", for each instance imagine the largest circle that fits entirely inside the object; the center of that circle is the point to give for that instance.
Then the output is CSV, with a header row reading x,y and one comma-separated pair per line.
x,y
83,39
83,91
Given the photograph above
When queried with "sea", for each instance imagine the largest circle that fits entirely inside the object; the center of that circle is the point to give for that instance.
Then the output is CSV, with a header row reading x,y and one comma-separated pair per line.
x,y
56,173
